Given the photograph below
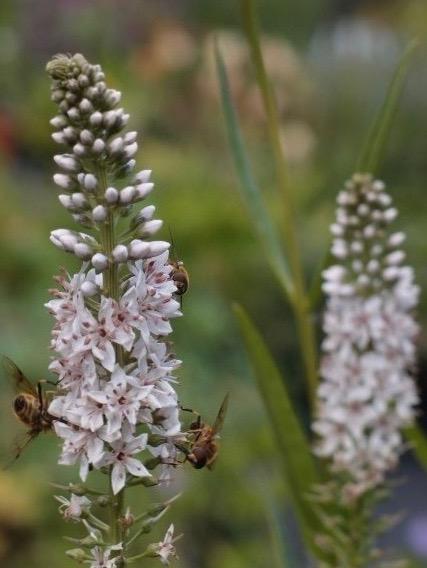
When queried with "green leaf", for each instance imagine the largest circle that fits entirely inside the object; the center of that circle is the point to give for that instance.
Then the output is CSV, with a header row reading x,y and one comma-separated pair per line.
x,y
418,440
281,546
315,293
251,193
373,151
297,460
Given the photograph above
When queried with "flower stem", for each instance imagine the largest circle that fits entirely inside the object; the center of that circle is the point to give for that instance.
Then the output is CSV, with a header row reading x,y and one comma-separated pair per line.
x,y
111,289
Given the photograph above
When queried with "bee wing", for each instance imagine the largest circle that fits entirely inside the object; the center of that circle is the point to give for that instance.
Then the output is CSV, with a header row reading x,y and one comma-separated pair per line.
x,y
219,421
18,446
211,465
17,377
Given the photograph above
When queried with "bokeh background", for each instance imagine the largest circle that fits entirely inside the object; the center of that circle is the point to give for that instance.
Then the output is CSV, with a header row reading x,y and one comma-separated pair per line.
x,y
330,61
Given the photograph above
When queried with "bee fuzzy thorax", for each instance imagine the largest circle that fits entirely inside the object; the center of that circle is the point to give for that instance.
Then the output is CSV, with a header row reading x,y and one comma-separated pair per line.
x,y
180,277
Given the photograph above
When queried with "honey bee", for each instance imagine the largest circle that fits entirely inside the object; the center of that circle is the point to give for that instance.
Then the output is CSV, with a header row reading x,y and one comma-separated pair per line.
x,y
29,404
180,277
204,446
179,273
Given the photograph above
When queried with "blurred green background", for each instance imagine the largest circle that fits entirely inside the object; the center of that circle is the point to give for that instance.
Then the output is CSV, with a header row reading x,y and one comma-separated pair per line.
x,y
330,61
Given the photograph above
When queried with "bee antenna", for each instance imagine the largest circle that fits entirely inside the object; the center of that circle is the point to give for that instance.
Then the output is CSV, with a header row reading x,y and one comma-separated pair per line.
x,y
173,246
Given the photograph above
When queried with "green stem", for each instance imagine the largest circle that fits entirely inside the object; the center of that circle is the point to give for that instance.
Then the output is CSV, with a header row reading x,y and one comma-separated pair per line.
x,y
111,289
299,299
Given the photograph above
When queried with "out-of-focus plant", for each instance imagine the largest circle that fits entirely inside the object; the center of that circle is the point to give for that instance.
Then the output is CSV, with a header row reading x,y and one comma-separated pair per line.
x,y
366,396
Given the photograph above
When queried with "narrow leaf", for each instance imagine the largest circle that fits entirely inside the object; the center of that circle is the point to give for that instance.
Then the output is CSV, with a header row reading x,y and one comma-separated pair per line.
x,y
251,193
373,151
281,548
297,460
418,440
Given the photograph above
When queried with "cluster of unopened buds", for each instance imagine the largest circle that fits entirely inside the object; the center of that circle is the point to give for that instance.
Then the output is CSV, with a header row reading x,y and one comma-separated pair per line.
x,y
367,395
116,409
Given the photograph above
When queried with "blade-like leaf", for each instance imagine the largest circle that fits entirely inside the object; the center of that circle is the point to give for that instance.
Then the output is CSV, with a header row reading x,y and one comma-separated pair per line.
x,y
418,440
298,463
251,193
281,546
374,148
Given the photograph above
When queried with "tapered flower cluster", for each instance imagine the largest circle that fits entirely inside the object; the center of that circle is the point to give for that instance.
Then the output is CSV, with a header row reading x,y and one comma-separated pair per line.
x,y
116,409
367,394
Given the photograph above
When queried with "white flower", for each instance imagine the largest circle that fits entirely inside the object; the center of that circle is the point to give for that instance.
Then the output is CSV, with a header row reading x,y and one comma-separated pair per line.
x,y
120,457
367,394
73,508
120,400
81,446
165,549
102,557
114,367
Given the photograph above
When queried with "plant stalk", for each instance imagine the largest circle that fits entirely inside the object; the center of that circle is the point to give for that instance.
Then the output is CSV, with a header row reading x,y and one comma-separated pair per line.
x,y
299,300
112,289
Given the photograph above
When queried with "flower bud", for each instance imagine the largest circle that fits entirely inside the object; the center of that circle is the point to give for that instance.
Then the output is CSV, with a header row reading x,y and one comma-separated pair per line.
x,y
150,227
396,239
158,247
88,288
111,195
63,180
83,80
58,122
79,200
390,214
116,146
95,118
90,182
130,137
64,239
145,214
79,150
98,146
143,176
127,195
99,213
77,554
139,249
73,113
65,201
130,150
83,251
120,253
99,261
87,137
143,189
85,106
112,97
67,162
59,138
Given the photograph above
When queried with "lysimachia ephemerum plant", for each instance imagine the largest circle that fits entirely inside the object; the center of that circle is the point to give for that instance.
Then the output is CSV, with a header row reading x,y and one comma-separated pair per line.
x,y
115,408
367,394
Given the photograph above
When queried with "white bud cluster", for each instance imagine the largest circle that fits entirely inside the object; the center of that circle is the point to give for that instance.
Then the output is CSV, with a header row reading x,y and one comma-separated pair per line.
x,y
113,363
89,124
367,394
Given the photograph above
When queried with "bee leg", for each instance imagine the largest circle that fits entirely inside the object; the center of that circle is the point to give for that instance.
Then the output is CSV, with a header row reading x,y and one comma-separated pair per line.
x,y
46,382
198,421
189,410
173,463
40,395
